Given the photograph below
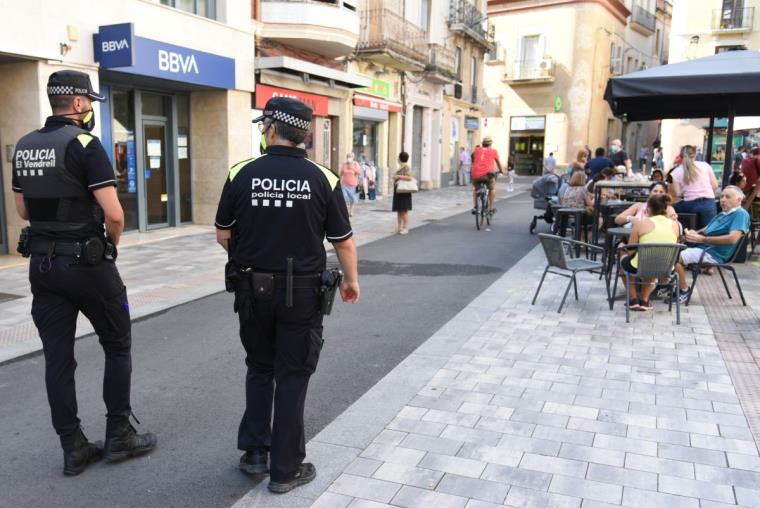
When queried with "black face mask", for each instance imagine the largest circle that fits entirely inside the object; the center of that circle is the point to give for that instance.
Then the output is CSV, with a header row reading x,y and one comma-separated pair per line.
x,y
88,120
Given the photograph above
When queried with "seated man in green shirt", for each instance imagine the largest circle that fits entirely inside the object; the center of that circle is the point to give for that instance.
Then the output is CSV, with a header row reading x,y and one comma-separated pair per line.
x,y
720,236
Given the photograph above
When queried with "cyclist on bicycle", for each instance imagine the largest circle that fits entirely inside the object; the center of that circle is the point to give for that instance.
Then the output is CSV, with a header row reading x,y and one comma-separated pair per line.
x,y
483,160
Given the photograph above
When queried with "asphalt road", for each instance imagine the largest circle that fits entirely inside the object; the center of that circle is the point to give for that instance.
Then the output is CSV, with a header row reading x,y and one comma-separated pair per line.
x,y
188,372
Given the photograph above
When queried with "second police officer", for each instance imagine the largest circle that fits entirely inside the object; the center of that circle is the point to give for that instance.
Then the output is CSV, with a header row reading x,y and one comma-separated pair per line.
x,y
64,185
273,217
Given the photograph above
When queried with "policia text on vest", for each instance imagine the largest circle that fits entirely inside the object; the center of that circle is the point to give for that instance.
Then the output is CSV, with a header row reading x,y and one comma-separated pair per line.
x,y
64,185
273,217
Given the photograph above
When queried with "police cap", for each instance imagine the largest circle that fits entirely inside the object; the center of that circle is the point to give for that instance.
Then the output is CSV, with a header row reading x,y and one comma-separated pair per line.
x,y
70,82
288,111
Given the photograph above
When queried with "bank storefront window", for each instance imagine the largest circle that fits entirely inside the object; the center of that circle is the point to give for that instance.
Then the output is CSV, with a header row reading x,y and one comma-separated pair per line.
x,y
124,154
183,157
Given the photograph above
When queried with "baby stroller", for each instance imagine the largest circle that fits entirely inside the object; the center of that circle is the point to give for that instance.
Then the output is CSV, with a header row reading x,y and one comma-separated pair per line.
x,y
545,192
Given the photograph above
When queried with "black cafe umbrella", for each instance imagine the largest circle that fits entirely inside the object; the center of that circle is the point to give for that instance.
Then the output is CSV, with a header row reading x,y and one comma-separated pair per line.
x,y
721,85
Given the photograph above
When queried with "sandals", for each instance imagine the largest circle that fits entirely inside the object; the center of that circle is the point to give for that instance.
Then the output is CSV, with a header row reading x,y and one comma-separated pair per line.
x,y
634,305
641,305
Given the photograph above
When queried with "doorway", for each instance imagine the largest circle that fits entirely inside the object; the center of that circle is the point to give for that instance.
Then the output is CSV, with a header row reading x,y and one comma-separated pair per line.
x,y
157,182
417,142
528,152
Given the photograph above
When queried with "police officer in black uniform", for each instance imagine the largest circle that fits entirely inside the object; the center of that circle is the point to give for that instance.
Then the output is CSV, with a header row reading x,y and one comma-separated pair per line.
x,y
64,185
274,214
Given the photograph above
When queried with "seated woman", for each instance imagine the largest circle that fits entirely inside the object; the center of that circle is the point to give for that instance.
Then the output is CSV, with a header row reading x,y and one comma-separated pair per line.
x,y
577,196
638,211
738,179
657,175
655,228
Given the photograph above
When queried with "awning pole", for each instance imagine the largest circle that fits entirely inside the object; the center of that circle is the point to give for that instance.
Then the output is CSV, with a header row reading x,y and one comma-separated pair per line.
x,y
729,162
708,152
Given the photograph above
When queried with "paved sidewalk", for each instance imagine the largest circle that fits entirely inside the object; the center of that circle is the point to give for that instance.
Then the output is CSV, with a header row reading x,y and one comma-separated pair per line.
x,y
169,267
513,404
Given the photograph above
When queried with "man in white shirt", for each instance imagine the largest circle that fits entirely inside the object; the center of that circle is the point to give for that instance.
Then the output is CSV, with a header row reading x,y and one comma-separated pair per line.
x,y
550,164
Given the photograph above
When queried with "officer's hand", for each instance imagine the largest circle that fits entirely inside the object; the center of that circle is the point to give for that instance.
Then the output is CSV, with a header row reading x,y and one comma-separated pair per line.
x,y
349,292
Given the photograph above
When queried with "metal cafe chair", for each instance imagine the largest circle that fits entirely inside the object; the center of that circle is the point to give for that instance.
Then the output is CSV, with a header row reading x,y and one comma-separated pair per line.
x,y
560,254
696,269
655,261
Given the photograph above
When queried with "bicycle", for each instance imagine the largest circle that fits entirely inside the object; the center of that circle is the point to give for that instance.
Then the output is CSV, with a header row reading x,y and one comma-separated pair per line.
x,y
482,206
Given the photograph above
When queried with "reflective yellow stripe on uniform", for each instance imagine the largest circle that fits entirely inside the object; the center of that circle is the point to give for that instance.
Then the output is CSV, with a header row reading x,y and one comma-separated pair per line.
x,y
332,178
234,170
84,139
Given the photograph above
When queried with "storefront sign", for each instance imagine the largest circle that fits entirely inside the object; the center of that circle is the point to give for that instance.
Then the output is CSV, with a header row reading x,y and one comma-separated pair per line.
x,y
376,103
318,103
117,48
471,123
528,123
379,88
131,166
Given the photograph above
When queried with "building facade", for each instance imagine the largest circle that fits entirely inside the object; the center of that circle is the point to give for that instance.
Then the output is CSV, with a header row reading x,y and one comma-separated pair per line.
x,y
178,77
702,28
545,80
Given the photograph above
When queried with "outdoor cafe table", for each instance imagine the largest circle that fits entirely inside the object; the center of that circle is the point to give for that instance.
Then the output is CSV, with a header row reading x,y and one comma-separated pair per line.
x,y
609,247
611,184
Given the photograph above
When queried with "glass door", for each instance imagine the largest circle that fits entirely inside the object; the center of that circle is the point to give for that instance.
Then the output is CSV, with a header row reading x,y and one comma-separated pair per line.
x,y
156,174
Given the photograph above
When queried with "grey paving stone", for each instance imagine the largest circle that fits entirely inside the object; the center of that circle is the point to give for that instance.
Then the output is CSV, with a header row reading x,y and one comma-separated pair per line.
x,y
742,461
696,488
491,454
724,444
505,426
719,418
450,418
614,429
646,498
725,476
602,403
394,454
454,465
588,503
520,477
332,500
606,415
537,417
475,503
412,497
696,455
586,489
408,475
469,435
364,503
682,402
731,432
748,497
412,413
708,429
625,444
363,467
612,394
622,476
563,435
365,488
431,444
474,488
528,498
554,465
590,454
391,437
416,426
434,403
659,435
486,410
658,465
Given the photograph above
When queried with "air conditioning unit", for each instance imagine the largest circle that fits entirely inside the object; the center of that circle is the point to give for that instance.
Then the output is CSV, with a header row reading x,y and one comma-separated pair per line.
x,y
547,67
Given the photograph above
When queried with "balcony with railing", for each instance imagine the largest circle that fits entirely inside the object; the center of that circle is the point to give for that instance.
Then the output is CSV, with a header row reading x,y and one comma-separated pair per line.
x,y
642,20
441,65
327,27
466,18
389,39
531,71
733,20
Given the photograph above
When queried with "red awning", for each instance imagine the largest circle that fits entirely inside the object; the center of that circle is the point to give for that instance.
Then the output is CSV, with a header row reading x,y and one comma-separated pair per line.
x,y
369,101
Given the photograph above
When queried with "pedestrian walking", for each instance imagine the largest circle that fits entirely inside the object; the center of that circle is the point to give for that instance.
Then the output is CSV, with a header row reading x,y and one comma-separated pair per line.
x,y
550,164
465,162
64,185
350,171
402,201
282,290
643,157
619,156
694,181
511,172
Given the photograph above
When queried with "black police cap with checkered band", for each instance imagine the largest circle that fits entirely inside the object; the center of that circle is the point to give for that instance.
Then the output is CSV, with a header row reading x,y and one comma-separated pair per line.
x,y
72,83
288,111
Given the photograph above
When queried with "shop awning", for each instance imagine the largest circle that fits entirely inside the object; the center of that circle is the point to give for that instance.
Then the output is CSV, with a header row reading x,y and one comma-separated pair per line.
x,y
294,65
369,101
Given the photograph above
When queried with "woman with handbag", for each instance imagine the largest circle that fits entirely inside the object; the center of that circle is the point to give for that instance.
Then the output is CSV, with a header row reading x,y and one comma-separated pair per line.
x,y
404,185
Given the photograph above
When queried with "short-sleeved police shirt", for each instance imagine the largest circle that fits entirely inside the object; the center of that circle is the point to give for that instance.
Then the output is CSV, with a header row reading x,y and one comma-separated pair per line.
x,y
282,205
86,160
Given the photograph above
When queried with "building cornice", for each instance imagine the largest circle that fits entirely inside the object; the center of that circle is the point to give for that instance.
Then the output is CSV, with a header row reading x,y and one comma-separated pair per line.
x,y
497,7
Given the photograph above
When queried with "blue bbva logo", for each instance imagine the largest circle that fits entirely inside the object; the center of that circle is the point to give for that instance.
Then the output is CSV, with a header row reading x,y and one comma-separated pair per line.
x,y
110,46
170,61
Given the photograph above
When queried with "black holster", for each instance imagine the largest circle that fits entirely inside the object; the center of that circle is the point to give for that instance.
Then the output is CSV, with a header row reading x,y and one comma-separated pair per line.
x,y
23,247
331,280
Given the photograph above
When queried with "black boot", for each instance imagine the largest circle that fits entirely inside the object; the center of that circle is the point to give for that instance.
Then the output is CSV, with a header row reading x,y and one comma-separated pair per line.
x,y
306,473
123,441
80,454
254,461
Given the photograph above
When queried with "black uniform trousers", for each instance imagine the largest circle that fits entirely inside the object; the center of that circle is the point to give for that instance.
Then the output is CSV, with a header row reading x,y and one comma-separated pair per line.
x,y
61,289
282,348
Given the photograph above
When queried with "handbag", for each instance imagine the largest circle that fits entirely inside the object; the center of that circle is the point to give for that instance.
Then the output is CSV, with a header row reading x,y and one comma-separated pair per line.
x,y
406,186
